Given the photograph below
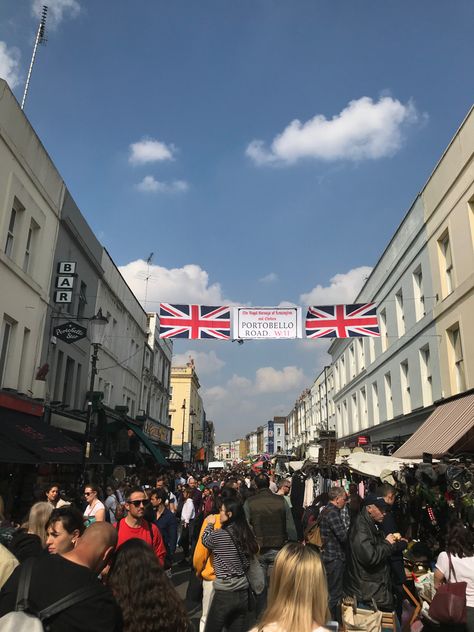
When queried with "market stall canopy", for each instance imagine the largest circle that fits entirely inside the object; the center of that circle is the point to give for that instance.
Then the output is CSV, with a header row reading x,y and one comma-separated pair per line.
x,y
36,438
147,442
376,464
447,429
12,453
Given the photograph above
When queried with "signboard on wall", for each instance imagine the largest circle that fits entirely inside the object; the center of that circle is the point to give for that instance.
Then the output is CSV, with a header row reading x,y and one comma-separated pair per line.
x,y
254,323
157,431
65,282
271,438
70,332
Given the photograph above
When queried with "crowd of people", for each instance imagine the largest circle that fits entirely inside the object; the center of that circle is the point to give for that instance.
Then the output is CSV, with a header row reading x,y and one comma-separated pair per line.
x,y
107,562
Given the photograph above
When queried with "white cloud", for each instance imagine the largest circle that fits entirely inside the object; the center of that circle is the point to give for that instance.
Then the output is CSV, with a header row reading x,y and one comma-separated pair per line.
x,y
150,185
343,288
363,130
189,284
206,363
57,10
9,65
272,277
238,382
149,150
270,380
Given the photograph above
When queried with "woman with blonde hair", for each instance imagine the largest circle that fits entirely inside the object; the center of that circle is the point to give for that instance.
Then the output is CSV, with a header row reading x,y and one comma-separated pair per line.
x,y
30,539
298,594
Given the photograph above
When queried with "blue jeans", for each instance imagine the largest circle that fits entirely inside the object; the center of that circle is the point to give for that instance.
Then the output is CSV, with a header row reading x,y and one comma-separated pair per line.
x,y
266,559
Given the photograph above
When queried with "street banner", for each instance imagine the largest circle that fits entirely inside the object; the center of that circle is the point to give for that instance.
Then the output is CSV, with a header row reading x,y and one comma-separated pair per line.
x,y
265,323
194,322
342,321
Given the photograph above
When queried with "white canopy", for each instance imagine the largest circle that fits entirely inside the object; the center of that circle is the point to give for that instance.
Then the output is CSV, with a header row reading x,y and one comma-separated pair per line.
x,y
375,464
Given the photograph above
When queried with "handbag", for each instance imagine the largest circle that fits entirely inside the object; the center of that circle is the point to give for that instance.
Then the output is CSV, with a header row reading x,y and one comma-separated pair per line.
x,y
356,619
449,602
251,592
313,533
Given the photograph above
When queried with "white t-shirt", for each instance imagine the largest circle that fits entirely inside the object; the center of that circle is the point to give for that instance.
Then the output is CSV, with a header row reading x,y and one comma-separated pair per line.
x,y
464,570
90,512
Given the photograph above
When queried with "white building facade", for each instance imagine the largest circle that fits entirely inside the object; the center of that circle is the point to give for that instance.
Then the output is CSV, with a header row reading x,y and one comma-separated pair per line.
x,y
31,196
386,386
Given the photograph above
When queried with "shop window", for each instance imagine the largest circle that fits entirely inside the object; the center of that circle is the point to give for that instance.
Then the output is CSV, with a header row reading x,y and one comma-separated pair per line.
x,y
383,330
418,293
400,313
457,359
447,270
375,403
388,395
426,376
6,333
405,386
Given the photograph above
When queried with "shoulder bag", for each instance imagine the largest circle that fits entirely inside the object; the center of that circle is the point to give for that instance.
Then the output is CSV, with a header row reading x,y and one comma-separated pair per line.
x,y
254,575
355,619
449,603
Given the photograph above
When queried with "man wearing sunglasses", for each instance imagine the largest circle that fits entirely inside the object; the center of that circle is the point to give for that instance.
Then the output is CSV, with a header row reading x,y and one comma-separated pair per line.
x,y
134,524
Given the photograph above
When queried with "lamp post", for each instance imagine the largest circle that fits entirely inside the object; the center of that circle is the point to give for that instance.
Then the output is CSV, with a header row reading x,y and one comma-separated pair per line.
x,y
192,414
183,408
97,327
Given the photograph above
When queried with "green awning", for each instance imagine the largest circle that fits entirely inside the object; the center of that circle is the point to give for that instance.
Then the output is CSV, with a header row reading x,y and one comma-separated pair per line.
x,y
147,442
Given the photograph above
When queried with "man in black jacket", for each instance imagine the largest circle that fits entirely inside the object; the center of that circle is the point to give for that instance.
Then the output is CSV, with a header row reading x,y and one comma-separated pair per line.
x,y
367,574
270,517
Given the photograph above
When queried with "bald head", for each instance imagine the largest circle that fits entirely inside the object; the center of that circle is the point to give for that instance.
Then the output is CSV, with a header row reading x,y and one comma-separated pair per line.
x,y
100,535
94,547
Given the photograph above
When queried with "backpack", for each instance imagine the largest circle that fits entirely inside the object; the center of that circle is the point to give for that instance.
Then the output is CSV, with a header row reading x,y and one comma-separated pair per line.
x,y
24,618
313,532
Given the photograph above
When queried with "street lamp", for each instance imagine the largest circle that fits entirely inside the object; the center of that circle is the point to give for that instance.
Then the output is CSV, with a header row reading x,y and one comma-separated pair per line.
x,y
97,327
183,408
192,414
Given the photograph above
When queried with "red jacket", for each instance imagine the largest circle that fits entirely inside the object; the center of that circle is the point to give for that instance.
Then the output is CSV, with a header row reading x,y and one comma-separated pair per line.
x,y
126,532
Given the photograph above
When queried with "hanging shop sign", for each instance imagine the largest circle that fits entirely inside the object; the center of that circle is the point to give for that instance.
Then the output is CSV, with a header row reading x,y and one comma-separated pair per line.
x,y
156,431
70,332
254,323
65,283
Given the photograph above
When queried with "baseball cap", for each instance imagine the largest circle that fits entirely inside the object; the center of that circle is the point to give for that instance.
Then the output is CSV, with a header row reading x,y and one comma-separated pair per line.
x,y
378,501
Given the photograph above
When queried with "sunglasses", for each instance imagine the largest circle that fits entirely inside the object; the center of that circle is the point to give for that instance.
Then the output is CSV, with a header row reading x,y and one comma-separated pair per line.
x,y
88,493
137,503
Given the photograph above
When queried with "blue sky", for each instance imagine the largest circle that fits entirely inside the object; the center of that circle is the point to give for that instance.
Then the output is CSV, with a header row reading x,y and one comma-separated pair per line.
x,y
264,151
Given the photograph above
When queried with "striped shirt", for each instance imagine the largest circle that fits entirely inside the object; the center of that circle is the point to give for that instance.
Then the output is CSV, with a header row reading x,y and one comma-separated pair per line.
x,y
227,561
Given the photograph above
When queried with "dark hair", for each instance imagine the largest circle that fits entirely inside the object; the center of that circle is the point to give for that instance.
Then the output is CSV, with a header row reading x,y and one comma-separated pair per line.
x,y
161,494
49,487
70,517
226,493
262,481
241,532
134,490
146,597
459,540
386,489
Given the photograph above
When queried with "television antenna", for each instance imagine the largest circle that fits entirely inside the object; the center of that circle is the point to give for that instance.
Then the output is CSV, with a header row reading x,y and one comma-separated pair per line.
x,y
40,39
147,277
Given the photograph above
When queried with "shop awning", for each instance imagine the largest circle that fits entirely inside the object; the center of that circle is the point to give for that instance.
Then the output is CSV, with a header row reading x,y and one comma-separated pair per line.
x,y
10,452
147,442
31,435
447,425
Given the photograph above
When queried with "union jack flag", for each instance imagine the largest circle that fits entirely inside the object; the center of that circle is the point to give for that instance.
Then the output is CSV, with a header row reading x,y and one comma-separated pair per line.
x,y
194,321
342,321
